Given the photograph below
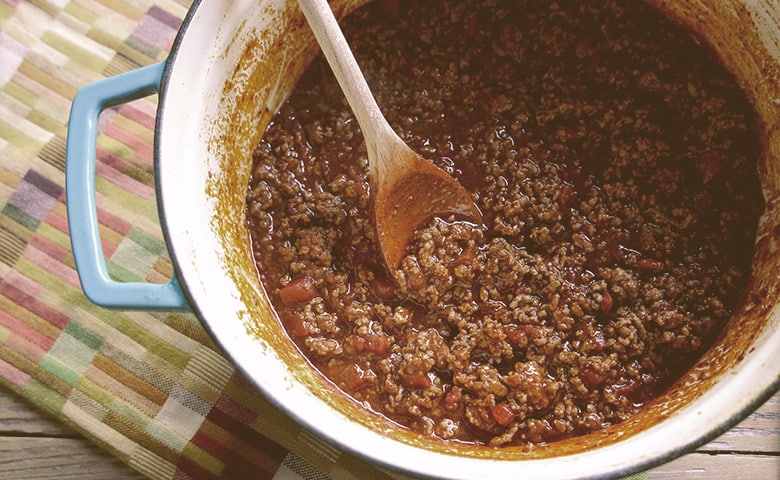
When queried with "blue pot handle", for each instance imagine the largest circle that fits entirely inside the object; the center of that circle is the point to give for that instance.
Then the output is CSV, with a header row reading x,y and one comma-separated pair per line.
x,y
80,187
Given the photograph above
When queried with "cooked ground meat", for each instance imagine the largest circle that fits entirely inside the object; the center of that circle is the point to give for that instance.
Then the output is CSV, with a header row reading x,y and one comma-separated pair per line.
x,y
615,164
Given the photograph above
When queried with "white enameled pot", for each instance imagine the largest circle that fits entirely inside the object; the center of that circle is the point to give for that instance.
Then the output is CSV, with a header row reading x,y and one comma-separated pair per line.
x,y
232,65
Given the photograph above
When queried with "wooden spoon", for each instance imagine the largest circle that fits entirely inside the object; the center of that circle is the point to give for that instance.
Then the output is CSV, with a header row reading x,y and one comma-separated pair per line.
x,y
407,190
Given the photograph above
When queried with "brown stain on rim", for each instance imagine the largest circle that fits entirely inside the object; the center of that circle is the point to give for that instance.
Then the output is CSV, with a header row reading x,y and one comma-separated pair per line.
x,y
273,60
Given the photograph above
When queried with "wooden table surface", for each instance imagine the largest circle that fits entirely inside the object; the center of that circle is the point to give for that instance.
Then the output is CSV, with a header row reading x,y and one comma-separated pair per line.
x,y
33,446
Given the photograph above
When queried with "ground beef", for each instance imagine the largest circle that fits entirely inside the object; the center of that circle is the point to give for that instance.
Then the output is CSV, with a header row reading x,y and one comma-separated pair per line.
x,y
614,162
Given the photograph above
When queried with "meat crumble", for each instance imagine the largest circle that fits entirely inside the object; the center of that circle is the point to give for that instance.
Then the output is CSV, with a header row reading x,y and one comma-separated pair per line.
x,y
614,161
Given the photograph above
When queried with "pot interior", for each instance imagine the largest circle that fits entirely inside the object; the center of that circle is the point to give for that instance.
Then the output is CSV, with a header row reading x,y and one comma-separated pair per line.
x,y
245,66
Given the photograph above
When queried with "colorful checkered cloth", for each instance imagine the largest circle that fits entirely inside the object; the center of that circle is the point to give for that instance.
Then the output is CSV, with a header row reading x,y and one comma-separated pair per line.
x,y
151,388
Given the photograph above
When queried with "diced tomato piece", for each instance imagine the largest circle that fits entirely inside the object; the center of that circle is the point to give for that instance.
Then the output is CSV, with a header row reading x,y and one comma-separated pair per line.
x,y
358,342
354,378
295,324
606,302
626,389
377,344
649,264
566,195
383,288
371,343
451,399
592,378
298,291
502,413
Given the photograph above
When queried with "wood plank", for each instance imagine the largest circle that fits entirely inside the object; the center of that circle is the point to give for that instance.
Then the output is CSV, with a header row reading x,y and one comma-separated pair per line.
x,y
34,458
20,418
696,466
758,433
34,447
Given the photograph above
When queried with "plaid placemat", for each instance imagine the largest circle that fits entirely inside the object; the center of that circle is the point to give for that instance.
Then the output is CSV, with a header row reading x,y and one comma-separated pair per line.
x,y
151,388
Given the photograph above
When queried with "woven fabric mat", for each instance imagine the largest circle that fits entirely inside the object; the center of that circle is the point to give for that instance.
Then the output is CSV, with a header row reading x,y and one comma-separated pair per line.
x,y
151,388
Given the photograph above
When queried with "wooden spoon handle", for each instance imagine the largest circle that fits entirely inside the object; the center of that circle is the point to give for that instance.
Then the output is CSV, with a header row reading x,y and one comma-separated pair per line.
x,y
338,54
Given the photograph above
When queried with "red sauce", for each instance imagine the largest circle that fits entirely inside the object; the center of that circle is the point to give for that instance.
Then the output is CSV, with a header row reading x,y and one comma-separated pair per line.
x,y
614,162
